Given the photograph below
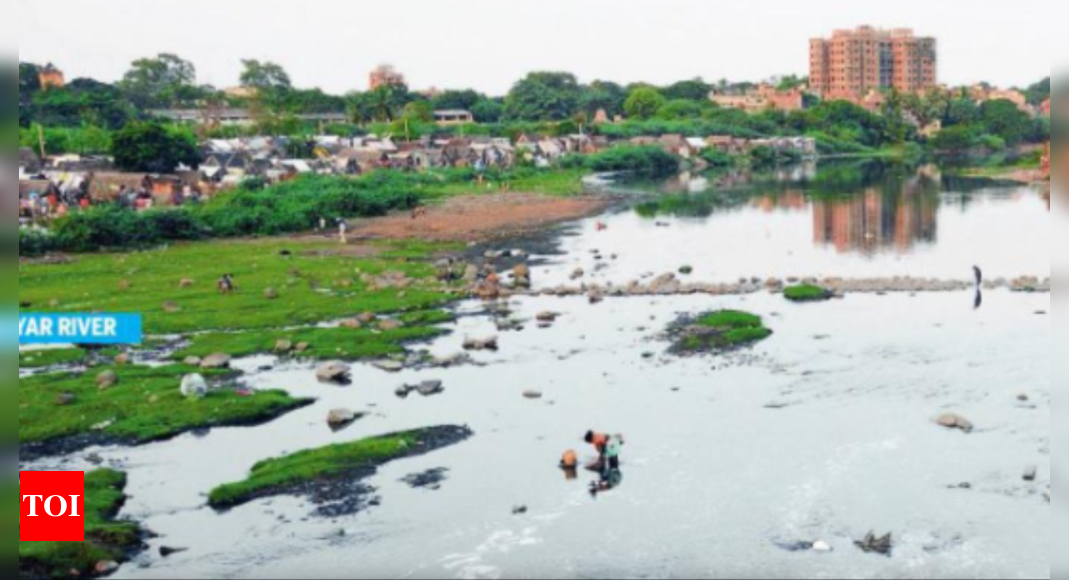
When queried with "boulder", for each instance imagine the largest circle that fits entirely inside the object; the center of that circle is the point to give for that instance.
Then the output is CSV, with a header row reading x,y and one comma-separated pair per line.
x,y
521,271
216,361
389,325
577,274
821,547
952,421
547,316
339,418
390,366
122,359
333,372
193,361
533,395
350,323
481,344
193,386
283,346
105,568
107,379
301,347
186,283
366,318
1030,473
271,294
430,388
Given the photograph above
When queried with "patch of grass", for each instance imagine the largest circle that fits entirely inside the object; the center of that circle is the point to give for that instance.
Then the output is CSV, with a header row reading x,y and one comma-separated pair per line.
x,y
719,331
107,540
144,406
314,283
553,182
807,293
289,474
323,343
36,359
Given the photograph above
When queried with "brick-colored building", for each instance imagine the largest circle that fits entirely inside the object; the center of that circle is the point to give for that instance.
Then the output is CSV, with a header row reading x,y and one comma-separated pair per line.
x,y
853,63
762,98
386,76
51,77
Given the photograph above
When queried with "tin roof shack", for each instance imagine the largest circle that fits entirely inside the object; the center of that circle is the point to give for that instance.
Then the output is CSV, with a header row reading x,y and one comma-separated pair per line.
x,y
105,187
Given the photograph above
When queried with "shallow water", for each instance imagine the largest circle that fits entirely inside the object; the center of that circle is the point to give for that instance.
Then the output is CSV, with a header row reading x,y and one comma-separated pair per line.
x,y
917,223
823,432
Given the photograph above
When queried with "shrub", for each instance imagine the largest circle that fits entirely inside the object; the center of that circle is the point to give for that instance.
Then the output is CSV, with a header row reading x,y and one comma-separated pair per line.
x,y
807,293
643,161
34,242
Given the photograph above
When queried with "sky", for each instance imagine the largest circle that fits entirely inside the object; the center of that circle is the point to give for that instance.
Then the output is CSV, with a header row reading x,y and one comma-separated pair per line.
x,y
489,44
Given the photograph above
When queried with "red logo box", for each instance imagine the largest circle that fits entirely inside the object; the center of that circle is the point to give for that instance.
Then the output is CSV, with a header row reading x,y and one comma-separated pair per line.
x,y
53,506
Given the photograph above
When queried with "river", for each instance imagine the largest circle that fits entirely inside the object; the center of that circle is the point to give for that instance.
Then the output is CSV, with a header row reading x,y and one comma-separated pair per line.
x,y
823,432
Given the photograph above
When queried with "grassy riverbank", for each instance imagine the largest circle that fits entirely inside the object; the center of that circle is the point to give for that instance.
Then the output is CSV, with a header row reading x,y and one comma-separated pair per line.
x,y
106,540
70,411
330,465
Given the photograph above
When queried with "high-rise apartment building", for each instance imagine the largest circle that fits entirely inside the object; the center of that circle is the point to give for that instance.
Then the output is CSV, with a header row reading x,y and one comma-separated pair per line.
x,y
853,63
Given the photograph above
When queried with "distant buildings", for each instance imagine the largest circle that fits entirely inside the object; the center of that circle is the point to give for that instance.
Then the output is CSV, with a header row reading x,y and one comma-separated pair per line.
x,y
51,77
235,117
452,118
386,76
763,98
853,63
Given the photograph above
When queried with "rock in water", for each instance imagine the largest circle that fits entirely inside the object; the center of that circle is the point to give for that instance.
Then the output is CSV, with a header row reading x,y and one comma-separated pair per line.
x,y
873,545
952,421
821,547
107,379
429,388
339,418
333,372
389,366
1030,473
533,395
194,387
215,361
484,344
166,552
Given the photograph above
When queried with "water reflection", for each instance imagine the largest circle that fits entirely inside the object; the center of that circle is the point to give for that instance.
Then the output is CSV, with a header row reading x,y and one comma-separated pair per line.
x,y
861,208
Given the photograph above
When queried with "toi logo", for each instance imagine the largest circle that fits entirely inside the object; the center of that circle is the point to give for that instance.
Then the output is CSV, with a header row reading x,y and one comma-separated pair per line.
x,y
53,506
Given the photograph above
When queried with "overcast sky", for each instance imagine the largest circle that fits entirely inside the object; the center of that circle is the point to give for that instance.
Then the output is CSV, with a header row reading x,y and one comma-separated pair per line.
x,y
489,44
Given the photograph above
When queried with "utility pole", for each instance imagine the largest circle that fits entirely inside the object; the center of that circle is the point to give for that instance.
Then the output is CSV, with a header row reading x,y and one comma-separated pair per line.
x,y
41,141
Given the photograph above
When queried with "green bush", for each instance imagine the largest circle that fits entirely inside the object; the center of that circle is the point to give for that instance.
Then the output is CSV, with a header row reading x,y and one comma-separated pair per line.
x,y
806,293
34,242
643,161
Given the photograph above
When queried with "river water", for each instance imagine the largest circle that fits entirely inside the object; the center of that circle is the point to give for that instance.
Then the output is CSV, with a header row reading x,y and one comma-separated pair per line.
x,y
823,432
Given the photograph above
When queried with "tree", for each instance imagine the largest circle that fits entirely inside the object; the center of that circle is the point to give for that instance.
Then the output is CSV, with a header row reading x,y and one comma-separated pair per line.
x,y
681,110
692,90
602,96
151,148
644,103
1038,92
543,96
29,81
488,111
418,112
264,76
158,82
457,100
791,82
1005,120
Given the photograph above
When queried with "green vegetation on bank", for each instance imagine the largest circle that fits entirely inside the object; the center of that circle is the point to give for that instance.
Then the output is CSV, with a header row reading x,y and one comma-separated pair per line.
x,y
34,359
337,462
144,405
106,540
322,343
807,293
719,331
289,207
174,288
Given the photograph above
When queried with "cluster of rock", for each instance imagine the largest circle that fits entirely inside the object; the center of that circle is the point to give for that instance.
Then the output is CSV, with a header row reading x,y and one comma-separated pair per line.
x,y
426,388
670,285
